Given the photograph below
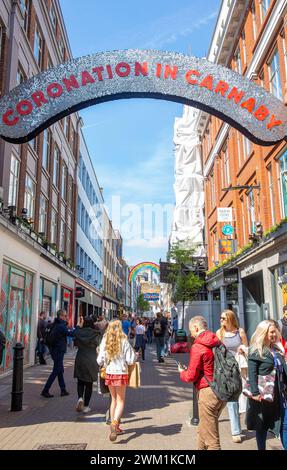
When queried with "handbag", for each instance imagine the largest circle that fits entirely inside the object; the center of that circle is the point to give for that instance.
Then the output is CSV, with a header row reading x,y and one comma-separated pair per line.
x,y
134,372
266,385
103,373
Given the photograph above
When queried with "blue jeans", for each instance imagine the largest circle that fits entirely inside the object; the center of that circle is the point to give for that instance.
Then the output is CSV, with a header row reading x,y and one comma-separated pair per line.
x,y
159,341
283,430
233,411
58,371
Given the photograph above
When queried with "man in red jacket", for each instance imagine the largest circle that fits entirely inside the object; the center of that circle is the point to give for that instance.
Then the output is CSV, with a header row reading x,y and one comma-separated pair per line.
x,y
201,365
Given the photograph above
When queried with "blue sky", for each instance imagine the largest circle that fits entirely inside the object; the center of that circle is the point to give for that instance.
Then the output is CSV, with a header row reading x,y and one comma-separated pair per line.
x,y
131,141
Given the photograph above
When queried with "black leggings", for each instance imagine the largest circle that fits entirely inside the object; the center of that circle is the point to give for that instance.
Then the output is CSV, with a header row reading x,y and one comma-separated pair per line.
x,y
85,390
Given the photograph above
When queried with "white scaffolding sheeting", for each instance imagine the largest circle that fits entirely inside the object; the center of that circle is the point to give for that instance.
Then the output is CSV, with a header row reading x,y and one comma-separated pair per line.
x,y
188,217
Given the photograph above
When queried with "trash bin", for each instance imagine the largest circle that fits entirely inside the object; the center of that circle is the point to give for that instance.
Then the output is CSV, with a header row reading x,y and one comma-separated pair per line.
x,y
181,336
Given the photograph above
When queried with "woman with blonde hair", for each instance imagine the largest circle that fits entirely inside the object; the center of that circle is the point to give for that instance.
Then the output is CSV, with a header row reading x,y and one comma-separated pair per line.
x,y
115,355
235,340
266,353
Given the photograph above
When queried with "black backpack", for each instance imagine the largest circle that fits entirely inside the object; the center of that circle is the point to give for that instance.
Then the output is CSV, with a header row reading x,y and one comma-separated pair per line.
x,y
157,328
50,335
227,383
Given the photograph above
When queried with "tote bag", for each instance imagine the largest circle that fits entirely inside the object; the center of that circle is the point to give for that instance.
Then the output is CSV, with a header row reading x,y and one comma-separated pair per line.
x,y
266,386
135,375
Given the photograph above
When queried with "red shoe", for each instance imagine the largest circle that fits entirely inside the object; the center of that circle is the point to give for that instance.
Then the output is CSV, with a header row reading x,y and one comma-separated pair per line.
x,y
119,430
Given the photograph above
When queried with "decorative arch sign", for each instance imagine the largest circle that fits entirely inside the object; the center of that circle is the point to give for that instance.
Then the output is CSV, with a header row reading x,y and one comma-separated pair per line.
x,y
141,267
49,96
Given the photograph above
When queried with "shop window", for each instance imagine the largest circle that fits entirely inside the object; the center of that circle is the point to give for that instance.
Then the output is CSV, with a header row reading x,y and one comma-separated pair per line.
x,y
216,295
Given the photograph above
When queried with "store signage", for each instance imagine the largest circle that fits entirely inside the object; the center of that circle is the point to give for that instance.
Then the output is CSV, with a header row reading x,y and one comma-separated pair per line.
x,y
79,292
230,276
227,230
49,96
249,269
151,297
224,214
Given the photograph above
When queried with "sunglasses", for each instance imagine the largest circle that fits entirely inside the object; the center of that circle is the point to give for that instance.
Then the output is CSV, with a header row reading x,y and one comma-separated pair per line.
x,y
222,318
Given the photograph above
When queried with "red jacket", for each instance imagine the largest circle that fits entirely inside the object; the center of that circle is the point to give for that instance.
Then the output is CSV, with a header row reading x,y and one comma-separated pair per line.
x,y
201,360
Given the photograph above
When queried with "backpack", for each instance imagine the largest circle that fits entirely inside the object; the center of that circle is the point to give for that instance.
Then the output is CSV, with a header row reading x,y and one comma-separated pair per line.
x,y
50,335
157,329
227,383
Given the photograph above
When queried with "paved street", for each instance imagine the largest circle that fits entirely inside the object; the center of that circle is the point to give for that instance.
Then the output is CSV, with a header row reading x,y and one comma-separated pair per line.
x,y
154,418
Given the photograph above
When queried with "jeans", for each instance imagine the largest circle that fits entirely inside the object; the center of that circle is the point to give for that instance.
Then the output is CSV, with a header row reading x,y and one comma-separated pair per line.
x,y
58,371
283,430
159,341
41,350
233,412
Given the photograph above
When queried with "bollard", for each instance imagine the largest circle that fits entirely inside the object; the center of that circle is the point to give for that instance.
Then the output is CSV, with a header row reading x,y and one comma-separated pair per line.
x,y
17,384
195,418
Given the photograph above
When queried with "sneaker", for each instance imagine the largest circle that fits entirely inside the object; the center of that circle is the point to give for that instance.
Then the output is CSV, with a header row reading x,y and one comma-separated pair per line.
x,y
237,439
64,393
87,409
47,395
80,405
113,433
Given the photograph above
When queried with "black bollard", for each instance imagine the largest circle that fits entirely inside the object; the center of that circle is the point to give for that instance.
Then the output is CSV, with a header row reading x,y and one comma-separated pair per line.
x,y
195,418
17,384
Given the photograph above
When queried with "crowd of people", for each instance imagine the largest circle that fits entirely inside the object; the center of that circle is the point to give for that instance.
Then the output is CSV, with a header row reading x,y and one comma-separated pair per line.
x,y
107,349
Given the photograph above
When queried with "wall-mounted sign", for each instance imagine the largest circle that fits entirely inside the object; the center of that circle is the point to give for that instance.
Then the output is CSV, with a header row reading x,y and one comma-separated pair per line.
x,y
152,297
226,246
49,96
227,229
230,276
224,214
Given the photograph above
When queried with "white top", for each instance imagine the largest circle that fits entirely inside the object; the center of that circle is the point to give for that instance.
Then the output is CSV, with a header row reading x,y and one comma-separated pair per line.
x,y
140,330
120,364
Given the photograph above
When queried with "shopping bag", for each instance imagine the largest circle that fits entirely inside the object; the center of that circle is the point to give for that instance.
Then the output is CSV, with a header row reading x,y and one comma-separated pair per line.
x,y
134,375
266,386
103,389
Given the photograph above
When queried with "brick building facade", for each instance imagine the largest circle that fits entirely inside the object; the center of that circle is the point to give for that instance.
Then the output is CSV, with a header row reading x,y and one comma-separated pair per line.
x,y
250,38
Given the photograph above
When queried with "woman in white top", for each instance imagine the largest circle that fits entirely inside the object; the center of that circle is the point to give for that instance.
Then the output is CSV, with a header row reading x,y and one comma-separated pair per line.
x,y
140,337
235,340
116,354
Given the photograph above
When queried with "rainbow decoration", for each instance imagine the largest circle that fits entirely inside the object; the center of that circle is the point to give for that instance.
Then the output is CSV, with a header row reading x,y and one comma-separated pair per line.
x,y
141,267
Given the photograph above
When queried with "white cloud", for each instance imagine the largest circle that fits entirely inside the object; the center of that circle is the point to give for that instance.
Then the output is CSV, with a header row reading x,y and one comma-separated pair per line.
x,y
156,242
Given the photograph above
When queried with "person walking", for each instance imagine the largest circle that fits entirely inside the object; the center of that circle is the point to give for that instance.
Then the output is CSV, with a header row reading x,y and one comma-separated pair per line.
x,y
116,354
58,348
87,339
140,337
159,329
41,328
174,327
200,372
233,338
149,331
265,354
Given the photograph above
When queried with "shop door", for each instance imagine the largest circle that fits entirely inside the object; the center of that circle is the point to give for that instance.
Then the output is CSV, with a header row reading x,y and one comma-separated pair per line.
x,y
253,293
14,324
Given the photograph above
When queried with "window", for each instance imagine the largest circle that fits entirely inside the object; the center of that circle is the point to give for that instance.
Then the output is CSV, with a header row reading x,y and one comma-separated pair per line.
x,y
64,181
56,166
49,63
244,48
43,214
246,147
265,4
62,237
62,48
79,209
212,191
53,18
54,226
66,128
70,195
274,75
215,246
238,65
30,193
243,220
38,46
238,137
251,212
24,5
69,243
20,75
283,182
254,25
226,166
46,149
271,193
14,180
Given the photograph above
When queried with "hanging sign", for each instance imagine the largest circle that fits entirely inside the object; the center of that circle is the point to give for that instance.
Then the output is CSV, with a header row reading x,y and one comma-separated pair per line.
x,y
224,214
227,229
57,92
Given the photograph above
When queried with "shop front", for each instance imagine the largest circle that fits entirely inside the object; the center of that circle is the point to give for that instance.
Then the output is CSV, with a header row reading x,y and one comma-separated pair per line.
x,y
48,298
16,311
88,301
